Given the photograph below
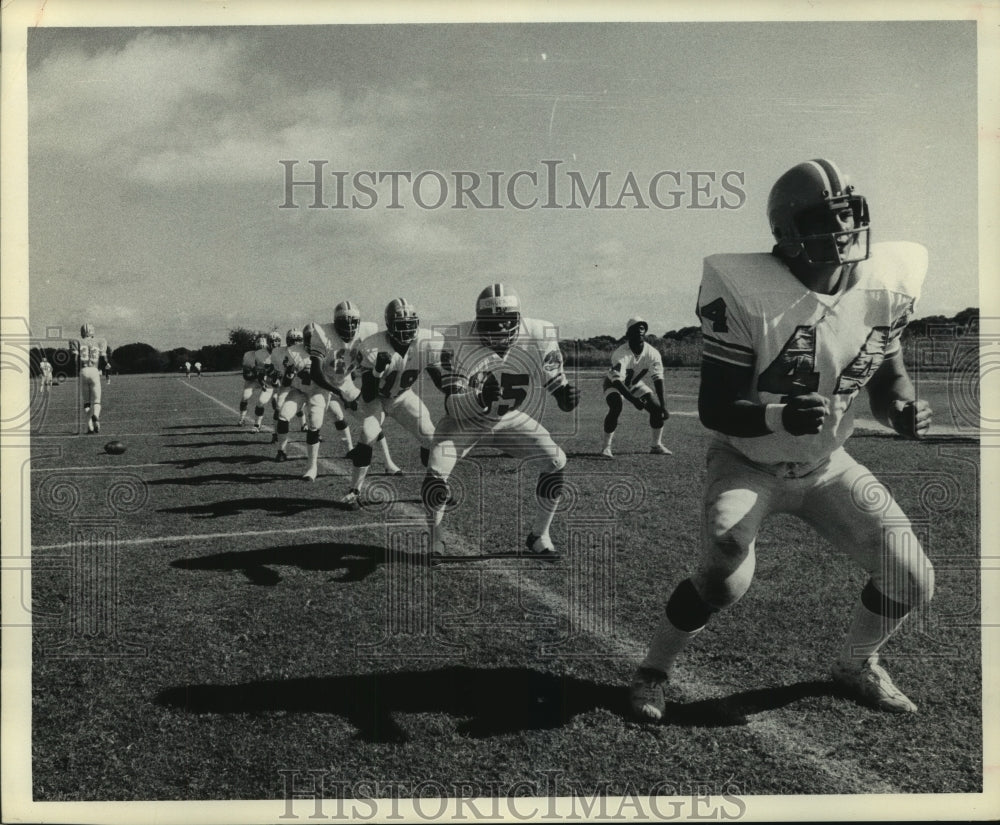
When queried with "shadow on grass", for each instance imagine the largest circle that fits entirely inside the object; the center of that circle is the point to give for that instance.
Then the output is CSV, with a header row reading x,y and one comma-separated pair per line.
x,y
357,560
191,463
265,504
218,425
490,702
733,710
252,439
223,478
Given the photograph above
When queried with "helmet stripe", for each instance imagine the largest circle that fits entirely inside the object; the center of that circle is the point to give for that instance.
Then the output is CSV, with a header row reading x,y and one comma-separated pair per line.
x,y
831,175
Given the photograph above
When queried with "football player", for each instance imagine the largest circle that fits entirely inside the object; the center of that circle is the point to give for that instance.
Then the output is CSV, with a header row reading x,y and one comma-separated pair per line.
x,y
256,365
197,369
187,369
46,369
91,353
270,380
390,363
292,397
790,339
334,357
497,371
630,364
107,371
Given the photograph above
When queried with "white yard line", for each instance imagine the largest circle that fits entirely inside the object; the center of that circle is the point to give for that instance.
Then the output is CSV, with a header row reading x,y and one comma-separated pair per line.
x,y
195,537
769,730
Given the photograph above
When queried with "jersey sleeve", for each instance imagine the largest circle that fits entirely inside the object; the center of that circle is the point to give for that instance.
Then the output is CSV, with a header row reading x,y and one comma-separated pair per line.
x,y
655,363
314,341
432,349
453,378
907,267
724,321
617,371
553,372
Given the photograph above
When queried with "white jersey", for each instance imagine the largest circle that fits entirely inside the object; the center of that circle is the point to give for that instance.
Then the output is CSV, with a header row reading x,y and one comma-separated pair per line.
x,y
89,350
530,368
256,364
402,370
756,314
338,359
46,369
296,364
631,369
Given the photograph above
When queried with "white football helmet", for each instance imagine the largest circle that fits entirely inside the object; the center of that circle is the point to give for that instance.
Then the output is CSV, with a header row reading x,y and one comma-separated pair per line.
x,y
401,321
346,320
814,212
498,316
88,331
293,336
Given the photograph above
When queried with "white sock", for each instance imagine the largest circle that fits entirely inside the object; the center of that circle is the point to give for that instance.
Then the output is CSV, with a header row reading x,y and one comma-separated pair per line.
x,y
668,642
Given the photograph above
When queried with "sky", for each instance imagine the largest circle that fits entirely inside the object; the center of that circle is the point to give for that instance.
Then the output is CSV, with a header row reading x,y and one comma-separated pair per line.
x,y
158,207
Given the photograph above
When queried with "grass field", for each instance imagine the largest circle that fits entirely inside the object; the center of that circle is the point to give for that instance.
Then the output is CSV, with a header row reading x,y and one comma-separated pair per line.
x,y
207,624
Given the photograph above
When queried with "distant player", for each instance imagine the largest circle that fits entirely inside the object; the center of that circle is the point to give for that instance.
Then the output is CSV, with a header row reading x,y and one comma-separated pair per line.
x,y
390,363
197,369
790,340
498,371
631,363
187,369
334,356
107,371
91,353
270,380
256,365
46,369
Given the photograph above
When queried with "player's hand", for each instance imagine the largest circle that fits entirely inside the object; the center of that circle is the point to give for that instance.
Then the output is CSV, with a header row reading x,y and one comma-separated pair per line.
x,y
567,397
489,390
638,403
804,414
911,419
382,362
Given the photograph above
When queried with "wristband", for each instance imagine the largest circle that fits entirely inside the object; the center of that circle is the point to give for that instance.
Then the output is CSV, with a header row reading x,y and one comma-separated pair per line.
x,y
772,418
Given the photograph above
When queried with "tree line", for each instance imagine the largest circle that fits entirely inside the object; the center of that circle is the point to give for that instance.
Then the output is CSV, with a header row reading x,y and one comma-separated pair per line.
x,y
937,336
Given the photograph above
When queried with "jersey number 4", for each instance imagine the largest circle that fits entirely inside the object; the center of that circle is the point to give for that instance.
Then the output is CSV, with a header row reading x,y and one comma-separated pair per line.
x,y
793,371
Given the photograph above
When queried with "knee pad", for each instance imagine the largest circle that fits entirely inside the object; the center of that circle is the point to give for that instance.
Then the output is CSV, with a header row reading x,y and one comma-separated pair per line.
x,y
657,417
551,485
312,436
341,424
258,410
243,405
361,455
434,492
686,610
282,426
919,592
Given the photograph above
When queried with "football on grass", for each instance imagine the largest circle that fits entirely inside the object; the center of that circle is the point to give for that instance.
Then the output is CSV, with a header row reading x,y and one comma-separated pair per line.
x,y
114,447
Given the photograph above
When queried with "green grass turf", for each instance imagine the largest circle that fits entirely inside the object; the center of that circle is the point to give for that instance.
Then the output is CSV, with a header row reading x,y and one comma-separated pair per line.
x,y
256,628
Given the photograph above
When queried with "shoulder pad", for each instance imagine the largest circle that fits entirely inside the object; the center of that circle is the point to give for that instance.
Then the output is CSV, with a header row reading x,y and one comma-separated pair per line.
x,y
898,265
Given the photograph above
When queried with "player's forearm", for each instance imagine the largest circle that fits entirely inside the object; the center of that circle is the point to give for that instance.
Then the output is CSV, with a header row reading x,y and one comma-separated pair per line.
x,y
743,419
369,386
316,375
463,403
889,384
